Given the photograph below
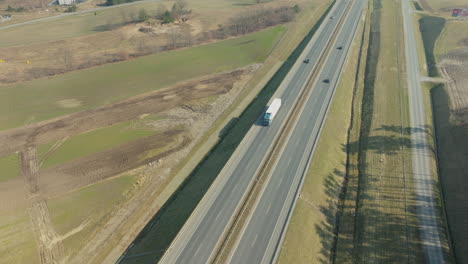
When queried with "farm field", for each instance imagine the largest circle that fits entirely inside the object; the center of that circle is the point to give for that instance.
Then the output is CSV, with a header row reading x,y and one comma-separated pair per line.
x,y
450,106
443,6
9,167
38,100
78,146
77,215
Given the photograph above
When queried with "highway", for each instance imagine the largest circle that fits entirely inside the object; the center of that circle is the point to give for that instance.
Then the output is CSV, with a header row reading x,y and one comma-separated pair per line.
x,y
261,236
421,154
199,238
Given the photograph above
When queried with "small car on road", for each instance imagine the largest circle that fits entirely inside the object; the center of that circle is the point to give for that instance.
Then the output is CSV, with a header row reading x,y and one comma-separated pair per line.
x,y
326,81
306,60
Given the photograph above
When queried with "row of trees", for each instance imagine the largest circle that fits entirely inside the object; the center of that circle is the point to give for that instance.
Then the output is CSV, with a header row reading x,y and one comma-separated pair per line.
x,y
118,2
179,12
22,5
255,20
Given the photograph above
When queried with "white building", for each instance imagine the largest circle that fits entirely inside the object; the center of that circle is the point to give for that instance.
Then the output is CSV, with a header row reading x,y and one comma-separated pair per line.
x,y
67,2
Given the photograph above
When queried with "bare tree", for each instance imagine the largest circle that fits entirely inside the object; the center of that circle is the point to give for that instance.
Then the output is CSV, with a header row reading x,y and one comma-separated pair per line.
x,y
67,58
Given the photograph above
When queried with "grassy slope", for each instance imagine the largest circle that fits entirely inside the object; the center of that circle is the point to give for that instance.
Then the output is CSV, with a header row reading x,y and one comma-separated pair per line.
x,y
310,232
103,139
95,204
37,100
9,167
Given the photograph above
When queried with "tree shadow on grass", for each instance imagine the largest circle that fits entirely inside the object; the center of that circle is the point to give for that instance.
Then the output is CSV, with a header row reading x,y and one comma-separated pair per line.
x,y
372,232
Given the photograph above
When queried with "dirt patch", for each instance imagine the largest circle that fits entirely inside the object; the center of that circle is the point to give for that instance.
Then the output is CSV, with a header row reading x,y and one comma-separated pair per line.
x,y
463,43
153,102
69,103
454,67
96,167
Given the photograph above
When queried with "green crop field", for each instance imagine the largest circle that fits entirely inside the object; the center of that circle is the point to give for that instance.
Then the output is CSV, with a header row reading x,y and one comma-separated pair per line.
x,y
92,142
38,100
9,167
87,207
17,243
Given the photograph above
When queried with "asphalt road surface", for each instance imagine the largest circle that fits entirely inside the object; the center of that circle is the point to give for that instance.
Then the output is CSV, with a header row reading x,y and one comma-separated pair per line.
x,y
426,208
198,239
260,237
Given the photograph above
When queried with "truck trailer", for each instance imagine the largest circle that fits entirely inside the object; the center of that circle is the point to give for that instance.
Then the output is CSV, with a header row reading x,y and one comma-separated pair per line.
x,y
271,111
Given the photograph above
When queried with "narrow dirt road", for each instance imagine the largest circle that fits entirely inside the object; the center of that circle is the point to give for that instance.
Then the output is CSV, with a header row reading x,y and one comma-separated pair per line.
x,y
49,244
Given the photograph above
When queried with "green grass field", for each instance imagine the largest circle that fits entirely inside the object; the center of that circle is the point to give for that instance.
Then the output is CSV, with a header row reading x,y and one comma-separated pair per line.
x,y
9,167
37,100
88,206
102,139
17,241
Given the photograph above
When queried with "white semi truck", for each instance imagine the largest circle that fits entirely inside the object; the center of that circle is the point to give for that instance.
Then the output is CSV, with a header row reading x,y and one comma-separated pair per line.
x,y
271,111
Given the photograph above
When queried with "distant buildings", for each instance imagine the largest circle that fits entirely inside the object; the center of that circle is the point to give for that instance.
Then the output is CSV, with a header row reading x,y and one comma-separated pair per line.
x,y
67,2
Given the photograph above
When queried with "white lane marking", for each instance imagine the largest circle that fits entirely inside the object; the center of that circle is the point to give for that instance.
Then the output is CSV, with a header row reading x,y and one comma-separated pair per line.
x,y
268,210
281,181
196,252
255,240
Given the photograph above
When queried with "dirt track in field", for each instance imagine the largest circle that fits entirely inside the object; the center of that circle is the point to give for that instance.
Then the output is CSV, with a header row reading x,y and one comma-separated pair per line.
x,y
99,166
50,248
153,102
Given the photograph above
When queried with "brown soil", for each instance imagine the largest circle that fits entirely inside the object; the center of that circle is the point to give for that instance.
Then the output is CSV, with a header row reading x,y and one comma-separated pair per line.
x,y
99,166
153,102
454,66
